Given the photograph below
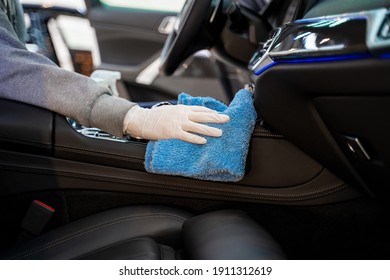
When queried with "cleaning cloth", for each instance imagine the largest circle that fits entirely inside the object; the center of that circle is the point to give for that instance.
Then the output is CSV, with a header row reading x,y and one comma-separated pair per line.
x,y
222,158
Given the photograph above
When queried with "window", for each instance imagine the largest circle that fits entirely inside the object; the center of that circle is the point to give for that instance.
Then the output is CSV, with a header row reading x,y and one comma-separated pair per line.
x,y
152,5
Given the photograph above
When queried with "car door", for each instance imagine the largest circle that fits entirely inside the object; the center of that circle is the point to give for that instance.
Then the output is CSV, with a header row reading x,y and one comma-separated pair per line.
x,y
130,35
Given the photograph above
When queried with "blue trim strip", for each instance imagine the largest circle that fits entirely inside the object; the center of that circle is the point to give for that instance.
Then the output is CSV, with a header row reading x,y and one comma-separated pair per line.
x,y
265,68
318,59
329,58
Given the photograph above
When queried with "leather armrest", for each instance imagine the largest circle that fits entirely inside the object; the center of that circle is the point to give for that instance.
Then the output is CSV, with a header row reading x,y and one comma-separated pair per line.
x,y
25,127
69,144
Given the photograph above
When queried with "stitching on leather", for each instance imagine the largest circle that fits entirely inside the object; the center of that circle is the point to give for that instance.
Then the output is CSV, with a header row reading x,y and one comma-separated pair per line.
x,y
263,130
267,135
101,153
178,187
16,140
268,196
211,190
83,232
90,150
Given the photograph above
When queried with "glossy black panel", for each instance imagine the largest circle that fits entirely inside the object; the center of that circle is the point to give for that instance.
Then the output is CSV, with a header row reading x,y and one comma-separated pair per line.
x,y
340,37
320,38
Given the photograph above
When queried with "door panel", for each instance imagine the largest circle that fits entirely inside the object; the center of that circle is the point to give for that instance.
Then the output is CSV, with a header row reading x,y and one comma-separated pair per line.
x,y
127,38
130,38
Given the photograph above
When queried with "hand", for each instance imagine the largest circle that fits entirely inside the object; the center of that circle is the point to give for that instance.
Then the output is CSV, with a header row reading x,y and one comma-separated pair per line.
x,y
173,122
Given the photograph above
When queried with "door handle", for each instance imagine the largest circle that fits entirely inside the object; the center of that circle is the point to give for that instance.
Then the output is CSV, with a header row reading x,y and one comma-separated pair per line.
x,y
167,25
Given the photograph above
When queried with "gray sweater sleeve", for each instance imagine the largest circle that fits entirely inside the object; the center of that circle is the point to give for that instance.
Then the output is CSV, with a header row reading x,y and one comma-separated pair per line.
x,y
34,79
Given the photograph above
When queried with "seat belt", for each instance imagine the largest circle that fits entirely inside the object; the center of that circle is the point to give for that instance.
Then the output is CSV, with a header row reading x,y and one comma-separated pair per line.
x,y
35,220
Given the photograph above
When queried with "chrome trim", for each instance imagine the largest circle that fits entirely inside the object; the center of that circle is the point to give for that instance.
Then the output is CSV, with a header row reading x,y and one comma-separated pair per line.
x,y
95,133
362,149
211,20
261,58
356,147
374,23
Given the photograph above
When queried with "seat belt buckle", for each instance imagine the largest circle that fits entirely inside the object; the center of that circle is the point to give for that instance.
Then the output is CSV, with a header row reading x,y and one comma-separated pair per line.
x,y
37,217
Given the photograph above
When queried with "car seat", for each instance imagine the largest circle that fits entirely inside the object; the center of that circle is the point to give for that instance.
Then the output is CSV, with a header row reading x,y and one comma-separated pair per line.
x,y
153,233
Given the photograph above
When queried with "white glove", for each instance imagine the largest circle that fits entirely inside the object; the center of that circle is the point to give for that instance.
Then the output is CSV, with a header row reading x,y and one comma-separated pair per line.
x,y
173,122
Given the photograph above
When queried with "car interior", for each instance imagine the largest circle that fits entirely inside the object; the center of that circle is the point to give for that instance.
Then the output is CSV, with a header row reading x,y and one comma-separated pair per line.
x,y
318,166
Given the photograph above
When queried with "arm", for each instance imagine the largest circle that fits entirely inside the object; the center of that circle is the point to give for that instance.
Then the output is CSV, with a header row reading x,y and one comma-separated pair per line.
x,y
32,78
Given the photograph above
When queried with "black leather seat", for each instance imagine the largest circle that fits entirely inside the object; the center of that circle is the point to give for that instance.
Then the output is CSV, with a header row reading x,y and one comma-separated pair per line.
x,y
151,232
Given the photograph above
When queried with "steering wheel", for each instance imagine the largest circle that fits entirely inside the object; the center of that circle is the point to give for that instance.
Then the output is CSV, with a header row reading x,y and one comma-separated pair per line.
x,y
197,26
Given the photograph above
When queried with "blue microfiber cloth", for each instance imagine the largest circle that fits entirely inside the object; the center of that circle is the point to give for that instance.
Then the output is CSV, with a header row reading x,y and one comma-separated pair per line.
x,y
221,159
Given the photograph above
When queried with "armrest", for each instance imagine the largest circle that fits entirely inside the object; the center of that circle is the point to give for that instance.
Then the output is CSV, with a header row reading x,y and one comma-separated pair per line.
x,y
25,127
70,144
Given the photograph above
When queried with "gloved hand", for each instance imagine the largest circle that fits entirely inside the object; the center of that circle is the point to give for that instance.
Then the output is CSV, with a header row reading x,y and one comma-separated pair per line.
x,y
173,122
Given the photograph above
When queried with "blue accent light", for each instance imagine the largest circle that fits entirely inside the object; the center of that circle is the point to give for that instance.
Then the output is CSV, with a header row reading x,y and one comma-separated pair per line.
x,y
328,58
317,59
385,55
265,68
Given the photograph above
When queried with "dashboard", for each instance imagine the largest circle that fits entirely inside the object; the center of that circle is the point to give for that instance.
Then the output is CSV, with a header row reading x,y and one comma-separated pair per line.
x,y
322,82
